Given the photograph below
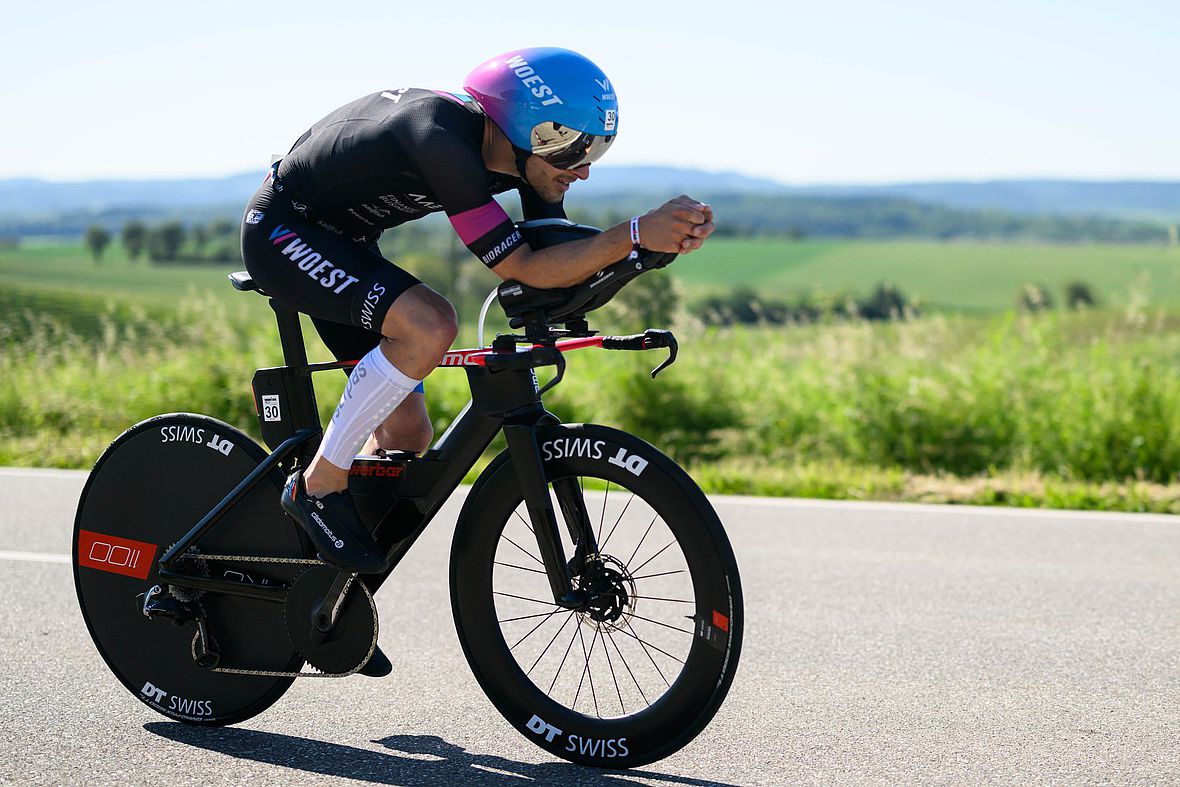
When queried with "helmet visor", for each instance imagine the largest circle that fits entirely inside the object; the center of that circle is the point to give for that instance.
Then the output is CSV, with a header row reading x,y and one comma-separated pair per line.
x,y
567,148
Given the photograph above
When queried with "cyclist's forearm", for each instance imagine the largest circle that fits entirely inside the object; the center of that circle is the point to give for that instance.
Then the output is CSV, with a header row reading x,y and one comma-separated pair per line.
x,y
567,263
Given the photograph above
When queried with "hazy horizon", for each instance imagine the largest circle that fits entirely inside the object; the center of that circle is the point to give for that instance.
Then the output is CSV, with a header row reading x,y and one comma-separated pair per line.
x,y
604,170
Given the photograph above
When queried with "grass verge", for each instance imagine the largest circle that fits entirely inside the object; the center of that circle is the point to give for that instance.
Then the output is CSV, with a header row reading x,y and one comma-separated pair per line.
x,y
1068,411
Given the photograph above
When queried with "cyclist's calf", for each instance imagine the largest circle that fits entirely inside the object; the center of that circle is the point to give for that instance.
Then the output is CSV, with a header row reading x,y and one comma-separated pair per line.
x,y
408,428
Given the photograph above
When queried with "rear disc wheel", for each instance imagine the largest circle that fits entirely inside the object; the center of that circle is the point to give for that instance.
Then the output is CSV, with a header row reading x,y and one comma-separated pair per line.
x,y
147,490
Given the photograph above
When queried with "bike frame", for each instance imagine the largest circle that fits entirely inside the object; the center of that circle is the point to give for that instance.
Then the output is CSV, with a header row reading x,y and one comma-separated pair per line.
x,y
505,396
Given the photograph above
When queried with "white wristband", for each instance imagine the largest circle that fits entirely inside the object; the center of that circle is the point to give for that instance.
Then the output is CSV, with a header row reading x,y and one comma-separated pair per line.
x,y
634,238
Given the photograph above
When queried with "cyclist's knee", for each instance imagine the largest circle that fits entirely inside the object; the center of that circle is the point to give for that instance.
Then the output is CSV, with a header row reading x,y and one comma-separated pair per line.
x,y
423,317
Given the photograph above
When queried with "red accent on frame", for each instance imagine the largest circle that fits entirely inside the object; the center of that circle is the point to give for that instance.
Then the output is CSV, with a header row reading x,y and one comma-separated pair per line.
x,y
478,357
117,555
720,621
577,344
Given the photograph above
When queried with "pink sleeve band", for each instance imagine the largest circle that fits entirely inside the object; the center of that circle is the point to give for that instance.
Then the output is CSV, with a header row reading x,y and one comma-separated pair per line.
x,y
475,223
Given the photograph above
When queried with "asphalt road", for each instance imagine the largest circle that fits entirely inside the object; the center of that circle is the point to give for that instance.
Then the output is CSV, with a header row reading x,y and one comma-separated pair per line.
x,y
884,644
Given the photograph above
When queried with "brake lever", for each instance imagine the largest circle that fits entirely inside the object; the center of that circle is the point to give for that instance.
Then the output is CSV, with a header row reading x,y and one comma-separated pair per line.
x,y
652,339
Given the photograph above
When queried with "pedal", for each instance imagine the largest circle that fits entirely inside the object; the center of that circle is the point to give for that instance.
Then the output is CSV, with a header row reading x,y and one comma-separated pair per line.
x,y
378,665
158,604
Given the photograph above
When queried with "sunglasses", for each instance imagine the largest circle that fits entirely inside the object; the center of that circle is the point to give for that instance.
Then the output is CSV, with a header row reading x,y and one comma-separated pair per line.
x,y
567,148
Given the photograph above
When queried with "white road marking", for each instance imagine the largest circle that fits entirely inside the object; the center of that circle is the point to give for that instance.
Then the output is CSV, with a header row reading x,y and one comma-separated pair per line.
x,y
35,557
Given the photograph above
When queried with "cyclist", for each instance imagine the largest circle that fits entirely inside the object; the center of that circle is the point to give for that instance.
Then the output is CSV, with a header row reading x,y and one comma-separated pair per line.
x,y
533,120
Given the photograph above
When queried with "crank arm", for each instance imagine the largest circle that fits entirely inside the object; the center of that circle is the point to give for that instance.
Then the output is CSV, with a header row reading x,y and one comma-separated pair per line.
x,y
327,613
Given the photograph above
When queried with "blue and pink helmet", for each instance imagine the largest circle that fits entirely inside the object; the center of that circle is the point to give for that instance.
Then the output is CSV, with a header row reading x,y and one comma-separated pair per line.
x,y
550,102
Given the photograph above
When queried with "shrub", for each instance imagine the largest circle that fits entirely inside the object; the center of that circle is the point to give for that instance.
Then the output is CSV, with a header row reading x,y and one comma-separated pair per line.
x,y
1033,298
96,240
1078,295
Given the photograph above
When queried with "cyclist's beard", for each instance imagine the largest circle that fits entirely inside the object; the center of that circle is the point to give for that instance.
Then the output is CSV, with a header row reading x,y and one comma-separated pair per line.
x,y
549,187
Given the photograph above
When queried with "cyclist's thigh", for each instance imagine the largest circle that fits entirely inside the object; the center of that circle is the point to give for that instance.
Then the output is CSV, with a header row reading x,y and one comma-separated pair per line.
x,y
319,272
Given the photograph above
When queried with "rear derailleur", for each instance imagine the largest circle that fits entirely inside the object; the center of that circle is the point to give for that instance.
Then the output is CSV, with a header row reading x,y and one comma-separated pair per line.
x,y
159,603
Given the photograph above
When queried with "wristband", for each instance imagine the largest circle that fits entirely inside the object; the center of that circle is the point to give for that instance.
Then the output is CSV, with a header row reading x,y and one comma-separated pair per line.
x,y
635,247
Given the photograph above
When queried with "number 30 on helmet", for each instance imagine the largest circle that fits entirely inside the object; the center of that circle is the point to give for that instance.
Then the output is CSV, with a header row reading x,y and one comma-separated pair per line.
x,y
550,102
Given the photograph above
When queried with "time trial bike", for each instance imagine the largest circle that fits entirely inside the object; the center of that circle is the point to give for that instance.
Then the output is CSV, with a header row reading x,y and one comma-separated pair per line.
x,y
594,590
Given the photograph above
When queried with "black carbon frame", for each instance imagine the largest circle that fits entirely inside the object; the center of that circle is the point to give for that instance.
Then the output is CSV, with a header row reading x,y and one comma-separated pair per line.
x,y
506,398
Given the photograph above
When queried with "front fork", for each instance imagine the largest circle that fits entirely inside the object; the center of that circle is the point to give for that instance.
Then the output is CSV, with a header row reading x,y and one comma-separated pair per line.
x,y
530,471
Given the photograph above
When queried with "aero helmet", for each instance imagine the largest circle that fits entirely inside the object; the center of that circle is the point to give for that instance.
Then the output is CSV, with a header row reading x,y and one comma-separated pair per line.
x,y
550,102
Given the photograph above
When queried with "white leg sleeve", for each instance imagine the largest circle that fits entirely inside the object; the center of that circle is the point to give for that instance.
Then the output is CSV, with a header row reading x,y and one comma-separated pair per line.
x,y
375,389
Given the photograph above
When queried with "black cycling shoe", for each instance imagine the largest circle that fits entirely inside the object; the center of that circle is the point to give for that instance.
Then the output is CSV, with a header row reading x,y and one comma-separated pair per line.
x,y
378,665
335,528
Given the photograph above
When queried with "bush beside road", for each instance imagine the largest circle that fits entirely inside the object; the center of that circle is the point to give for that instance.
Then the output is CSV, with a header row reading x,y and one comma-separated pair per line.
x,y
1066,410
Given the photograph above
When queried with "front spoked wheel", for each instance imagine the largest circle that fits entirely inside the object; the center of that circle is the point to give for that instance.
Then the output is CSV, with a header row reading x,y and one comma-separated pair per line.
x,y
639,671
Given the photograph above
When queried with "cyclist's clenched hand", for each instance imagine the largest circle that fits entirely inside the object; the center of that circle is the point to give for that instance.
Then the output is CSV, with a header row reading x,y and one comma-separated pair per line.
x,y
680,226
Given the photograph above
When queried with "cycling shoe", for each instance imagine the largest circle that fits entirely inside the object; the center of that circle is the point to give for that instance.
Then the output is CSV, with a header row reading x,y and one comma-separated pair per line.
x,y
335,528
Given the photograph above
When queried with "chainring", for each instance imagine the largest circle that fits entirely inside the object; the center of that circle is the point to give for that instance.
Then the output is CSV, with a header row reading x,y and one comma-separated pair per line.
x,y
351,642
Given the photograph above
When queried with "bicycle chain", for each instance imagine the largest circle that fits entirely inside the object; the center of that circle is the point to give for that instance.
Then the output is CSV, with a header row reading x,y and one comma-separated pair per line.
x,y
275,673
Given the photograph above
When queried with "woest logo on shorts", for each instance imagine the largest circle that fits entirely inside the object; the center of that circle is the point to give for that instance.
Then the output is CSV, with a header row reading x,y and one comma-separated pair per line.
x,y
311,261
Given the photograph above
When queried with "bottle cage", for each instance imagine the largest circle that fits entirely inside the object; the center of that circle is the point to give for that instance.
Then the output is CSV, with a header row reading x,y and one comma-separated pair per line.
x,y
536,309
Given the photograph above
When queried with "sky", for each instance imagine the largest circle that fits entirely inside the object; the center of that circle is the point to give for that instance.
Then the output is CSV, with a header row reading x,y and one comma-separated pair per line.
x,y
844,91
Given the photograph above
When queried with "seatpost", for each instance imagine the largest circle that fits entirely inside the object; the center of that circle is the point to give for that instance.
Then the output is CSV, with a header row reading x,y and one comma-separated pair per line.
x,y
291,386
290,334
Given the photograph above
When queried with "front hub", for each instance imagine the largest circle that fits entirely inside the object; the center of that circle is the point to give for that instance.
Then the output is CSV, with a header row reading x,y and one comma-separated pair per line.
x,y
609,589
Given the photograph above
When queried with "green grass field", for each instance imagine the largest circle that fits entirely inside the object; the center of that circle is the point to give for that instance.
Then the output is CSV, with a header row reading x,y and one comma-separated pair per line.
x,y
965,277
975,278
1064,409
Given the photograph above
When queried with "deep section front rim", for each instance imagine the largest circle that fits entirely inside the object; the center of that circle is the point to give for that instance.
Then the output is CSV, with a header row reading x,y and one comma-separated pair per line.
x,y
694,691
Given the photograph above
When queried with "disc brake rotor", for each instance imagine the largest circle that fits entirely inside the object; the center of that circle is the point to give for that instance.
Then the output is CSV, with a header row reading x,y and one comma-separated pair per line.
x,y
611,590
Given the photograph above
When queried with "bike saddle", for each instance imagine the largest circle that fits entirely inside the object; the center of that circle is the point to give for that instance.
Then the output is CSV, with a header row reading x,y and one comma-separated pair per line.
x,y
524,304
244,282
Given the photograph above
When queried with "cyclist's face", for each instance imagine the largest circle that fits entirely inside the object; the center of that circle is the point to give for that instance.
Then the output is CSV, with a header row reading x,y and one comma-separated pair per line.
x,y
548,181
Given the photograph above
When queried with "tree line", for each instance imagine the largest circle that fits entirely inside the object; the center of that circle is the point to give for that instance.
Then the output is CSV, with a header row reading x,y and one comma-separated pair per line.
x,y
169,242
738,215
883,218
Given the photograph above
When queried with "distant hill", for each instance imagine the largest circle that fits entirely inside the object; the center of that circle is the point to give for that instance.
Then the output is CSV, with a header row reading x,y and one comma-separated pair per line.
x,y
672,180
25,197
1137,199
1047,210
